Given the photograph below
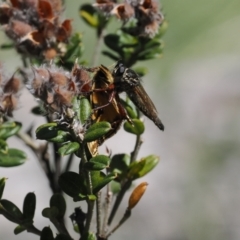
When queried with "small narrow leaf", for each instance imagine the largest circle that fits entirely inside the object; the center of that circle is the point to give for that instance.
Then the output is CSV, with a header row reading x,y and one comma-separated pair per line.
x,y
14,157
96,131
150,162
99,180
142,167
135,169
62,236
89,15
72,184
2,185
46,234
13,210
9,129
85,110
3,146
19,229
29,206
68,148
99,162
50,213
120,163
58,201
137,128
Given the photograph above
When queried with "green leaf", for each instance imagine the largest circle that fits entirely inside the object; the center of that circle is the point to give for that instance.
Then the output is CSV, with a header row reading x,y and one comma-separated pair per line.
x,y
150,162
135,169
141,71
162,30
142,167
39,111
68,148
110,55
151,54
76,106
85,109
89,15
5,46
13,158
96,131
58,201
137,128
29,206
130,107
72,184
19,229
2,185
52,133
74,49
99,162
46,234
50,213
92,197
91,236
115,187
88,236
99,180
62,236
119,163
13,210
113,42
3,146
8,129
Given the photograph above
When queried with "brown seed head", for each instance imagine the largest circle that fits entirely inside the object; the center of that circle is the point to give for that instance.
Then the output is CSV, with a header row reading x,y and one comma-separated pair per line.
x,y
137,194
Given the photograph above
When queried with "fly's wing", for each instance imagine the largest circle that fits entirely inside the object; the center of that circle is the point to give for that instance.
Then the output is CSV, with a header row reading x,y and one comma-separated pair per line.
x,y
141,99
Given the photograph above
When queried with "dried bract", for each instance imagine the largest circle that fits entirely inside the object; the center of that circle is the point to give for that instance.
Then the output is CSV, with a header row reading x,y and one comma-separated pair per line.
x,y
35,26
9,93
146,14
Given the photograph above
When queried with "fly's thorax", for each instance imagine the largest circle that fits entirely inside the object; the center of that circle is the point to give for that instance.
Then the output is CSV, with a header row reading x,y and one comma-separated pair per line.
x,y
125,79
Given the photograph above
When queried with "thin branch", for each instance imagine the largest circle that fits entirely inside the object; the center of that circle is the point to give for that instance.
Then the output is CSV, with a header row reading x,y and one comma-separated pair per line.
x,y
124,218
125,185
31,228
98,212
118,200
69,162
108,201
90,202
97,47
137,147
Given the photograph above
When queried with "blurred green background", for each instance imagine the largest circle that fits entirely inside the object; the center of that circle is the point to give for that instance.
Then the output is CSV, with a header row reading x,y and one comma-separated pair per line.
x,y
194,193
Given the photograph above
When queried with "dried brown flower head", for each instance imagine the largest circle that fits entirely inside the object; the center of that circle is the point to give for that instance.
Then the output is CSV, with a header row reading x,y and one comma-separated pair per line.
x,y
9,93
35,26
57,87
145,12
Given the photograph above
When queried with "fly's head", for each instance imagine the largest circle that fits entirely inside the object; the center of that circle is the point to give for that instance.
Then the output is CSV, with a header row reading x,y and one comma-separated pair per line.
x,y
125,79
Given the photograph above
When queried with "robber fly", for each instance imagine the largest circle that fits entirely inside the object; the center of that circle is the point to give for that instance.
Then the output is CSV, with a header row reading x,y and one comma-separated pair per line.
x,y
106,103
126,80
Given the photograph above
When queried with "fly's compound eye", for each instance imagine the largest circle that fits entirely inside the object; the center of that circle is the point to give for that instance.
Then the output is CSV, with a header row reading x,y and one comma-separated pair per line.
x,y
120,69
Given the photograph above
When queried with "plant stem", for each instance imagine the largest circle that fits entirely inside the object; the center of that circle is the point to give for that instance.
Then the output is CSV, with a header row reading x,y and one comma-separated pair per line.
x,y
69,162
60,226
107,210
126,215
31,228
98,212
137,146
97,47
126,185
118,200
90,202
